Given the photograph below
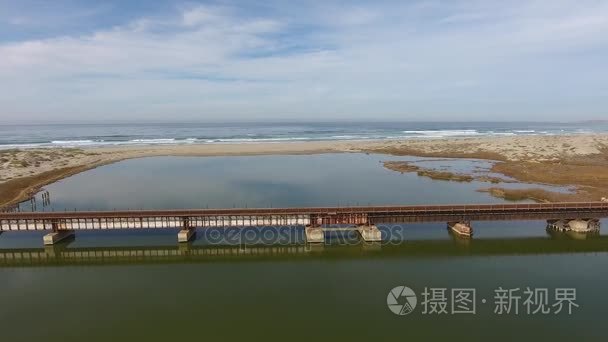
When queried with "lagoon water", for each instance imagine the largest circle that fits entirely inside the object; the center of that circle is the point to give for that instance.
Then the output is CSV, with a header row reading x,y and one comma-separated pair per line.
x,y
158,291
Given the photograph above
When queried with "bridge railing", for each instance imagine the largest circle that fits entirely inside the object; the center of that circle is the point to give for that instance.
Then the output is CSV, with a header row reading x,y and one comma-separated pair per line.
x,y
369,210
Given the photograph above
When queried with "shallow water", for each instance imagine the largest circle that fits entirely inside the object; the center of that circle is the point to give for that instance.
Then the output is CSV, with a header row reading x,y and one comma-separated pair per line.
x,y
257,181
139,285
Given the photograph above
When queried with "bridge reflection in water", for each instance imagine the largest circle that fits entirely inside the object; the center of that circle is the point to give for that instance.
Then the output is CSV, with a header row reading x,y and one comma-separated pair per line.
x,y
62,254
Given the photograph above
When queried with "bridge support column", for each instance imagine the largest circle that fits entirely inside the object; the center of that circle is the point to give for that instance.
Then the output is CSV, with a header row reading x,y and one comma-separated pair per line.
x,y
314,234
185,235
56,236
370,233
461,228
574,225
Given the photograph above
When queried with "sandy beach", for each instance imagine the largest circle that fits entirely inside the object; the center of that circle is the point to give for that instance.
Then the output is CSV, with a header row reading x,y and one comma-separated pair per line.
x,y
575,160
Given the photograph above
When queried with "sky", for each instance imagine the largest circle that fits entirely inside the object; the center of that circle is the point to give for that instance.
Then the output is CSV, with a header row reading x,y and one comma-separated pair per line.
x,y
418,60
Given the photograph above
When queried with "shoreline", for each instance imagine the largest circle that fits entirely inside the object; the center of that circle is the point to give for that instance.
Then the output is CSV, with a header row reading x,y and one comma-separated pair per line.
x,y
576,160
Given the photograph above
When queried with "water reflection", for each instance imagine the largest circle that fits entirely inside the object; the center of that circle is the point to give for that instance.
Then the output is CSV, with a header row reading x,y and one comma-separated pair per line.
x,y
258,181
64,254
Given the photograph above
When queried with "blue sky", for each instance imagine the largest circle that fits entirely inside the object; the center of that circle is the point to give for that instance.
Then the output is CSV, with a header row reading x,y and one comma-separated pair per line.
x,y
303,60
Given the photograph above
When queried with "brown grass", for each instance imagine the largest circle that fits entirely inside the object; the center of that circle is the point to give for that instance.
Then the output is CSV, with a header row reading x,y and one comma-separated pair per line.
x,y
589,174
463,153
403,166
591,181
445,175
20,189
535,194
555,173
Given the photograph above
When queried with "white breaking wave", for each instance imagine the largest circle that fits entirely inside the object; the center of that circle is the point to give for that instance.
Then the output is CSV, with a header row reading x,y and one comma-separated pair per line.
x,y
445,133
245,140
255,138
152,141
72,142
342,137
88,143
461,133
11,146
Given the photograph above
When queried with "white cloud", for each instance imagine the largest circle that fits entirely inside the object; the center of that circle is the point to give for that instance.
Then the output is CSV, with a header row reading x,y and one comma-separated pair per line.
x,y
400,60
199,15
137,47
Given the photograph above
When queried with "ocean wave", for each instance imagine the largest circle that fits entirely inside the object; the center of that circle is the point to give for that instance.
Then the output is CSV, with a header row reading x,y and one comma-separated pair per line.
x,y
152,141
341,134
445,133
246,140
12,146
72,142
506,134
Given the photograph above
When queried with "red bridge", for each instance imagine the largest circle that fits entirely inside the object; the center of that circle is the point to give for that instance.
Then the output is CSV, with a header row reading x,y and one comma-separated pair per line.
x,y
63,224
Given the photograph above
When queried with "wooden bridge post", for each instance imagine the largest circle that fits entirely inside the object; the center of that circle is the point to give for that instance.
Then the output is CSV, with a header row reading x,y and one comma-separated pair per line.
x,y
187,232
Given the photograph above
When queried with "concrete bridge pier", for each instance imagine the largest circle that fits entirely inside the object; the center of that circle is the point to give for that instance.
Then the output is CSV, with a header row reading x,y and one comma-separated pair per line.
x,y
314,234
185,235
574,225
187,232
57,236
461,228
370,233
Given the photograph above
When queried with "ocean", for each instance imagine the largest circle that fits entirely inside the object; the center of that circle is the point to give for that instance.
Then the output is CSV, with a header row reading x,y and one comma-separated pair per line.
x,y
81,135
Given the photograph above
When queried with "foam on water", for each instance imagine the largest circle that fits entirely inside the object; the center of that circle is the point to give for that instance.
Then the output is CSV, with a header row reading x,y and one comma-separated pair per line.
x,y
48,136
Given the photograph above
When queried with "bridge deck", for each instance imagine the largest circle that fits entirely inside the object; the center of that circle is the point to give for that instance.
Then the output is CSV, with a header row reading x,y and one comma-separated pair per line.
x,y
128,219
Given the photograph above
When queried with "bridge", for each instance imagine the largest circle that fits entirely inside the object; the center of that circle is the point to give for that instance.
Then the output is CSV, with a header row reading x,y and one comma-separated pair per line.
x,y
363,219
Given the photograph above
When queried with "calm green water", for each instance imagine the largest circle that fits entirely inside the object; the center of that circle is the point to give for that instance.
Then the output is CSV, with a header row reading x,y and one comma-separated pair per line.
x,y
142,286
